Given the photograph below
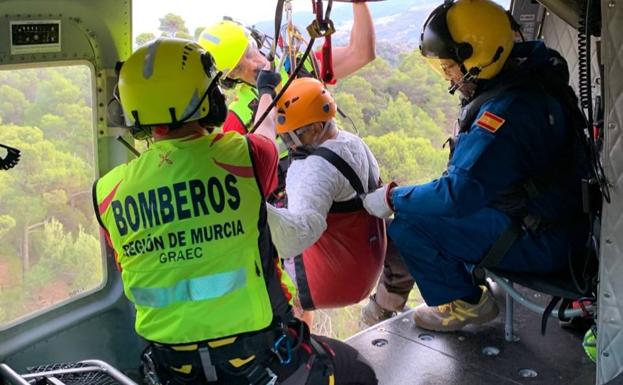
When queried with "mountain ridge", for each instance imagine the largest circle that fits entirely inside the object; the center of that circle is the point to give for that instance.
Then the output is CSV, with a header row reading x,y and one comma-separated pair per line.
x,y
397,22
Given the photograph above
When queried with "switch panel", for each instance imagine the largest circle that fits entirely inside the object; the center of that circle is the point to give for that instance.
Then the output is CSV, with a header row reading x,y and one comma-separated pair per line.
x,y
35,36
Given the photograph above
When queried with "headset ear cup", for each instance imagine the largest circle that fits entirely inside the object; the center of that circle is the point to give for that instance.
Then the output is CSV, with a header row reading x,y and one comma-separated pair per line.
x,y
118,66
219,105
208,64
218,109
464,51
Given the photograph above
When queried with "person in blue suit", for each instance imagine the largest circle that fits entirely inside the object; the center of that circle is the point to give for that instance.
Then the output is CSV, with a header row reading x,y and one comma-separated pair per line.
x,y
513,183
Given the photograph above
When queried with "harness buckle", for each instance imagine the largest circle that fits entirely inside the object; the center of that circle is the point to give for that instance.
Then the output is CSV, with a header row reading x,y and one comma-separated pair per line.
x,y
479,275
321,28
209,370
283,343
149,368
262,375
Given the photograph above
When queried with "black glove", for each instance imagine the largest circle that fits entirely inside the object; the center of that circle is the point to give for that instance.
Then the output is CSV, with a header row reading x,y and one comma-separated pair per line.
x,y
11,158
267,81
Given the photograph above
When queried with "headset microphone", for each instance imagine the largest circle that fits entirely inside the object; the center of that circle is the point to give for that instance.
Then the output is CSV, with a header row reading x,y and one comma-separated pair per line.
x,y
474,72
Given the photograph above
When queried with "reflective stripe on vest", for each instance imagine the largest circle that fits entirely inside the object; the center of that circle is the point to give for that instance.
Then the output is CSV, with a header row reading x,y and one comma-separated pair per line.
x,y
195,289
183,220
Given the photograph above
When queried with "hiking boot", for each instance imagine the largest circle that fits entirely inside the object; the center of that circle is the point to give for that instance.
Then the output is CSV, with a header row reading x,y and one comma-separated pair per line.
x,y
457,314
372,313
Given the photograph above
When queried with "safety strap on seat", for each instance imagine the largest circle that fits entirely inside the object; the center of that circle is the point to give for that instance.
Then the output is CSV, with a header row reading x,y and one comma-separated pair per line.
x,y
564,305
498,250
511,235
547,311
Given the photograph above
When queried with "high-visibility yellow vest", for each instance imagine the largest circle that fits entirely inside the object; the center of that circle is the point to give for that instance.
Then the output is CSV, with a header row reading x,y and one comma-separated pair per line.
x,y
245,104
183,220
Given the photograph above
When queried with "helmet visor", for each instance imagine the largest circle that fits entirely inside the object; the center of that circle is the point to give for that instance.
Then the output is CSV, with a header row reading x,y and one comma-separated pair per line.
x,y
436,41
447,68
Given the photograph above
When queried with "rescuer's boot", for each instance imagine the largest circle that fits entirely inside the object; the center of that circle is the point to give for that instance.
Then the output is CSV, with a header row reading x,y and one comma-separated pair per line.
x,y
372,313
456,314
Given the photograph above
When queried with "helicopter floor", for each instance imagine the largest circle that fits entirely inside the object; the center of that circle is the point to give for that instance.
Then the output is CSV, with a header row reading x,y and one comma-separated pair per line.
x,y
401,353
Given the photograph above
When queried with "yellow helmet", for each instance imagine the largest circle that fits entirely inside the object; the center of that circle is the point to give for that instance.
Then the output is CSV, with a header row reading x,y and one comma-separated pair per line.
x,y
227,41
475,33
170,81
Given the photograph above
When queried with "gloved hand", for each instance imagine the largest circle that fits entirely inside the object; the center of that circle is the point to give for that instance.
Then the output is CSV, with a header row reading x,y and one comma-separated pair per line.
x,y
267,81
378,202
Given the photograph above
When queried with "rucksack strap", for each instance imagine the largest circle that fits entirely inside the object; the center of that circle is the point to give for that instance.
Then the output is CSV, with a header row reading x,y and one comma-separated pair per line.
x,y
548,310
343,167
351,176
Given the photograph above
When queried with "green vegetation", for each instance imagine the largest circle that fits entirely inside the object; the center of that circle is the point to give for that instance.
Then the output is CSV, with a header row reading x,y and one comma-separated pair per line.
x,y
50,239
403,112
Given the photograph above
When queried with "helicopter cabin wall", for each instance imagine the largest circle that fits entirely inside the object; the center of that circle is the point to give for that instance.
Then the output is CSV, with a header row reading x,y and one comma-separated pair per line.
x,y
610,317
607,83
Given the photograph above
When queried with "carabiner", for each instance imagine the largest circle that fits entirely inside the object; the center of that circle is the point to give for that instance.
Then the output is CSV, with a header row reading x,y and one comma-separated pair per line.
x,y
277,347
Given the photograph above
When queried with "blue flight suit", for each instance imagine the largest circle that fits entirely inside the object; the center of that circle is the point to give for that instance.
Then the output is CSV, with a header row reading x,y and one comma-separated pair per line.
x,y
444,227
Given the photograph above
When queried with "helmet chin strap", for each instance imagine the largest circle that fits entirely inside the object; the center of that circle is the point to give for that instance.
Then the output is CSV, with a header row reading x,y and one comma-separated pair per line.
x,y
472,73
297,141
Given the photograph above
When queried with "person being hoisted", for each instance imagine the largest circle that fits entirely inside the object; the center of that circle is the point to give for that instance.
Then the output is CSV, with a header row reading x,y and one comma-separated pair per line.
x,y
237,54
333,248
511,196
207,293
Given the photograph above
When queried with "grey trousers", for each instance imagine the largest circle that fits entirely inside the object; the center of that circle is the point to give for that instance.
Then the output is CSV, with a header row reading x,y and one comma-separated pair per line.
x,y
396,282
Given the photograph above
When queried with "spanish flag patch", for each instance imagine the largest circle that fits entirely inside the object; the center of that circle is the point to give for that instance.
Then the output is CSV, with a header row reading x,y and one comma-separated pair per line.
x,y
490,122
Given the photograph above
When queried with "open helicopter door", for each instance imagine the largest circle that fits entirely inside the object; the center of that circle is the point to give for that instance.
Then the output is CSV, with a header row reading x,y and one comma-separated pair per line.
x,y
610,320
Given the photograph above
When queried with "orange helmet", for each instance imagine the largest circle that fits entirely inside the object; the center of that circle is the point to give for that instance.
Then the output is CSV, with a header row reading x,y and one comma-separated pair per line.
x,y
306,101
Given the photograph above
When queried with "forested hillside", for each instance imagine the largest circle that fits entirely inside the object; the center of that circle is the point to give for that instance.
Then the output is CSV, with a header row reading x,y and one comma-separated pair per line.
x,y
50,240
403,112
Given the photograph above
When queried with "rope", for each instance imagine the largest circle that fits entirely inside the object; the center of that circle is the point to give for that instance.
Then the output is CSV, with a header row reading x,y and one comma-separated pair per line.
x,y
322,24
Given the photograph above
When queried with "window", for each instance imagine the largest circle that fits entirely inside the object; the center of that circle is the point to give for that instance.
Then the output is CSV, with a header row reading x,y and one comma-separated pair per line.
x,y
49,239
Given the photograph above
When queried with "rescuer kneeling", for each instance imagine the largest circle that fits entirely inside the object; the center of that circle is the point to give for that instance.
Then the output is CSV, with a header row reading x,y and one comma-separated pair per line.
x,y
192,241
511,197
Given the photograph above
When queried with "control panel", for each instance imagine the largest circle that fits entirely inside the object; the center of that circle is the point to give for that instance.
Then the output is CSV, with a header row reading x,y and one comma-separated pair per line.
x,y
35,36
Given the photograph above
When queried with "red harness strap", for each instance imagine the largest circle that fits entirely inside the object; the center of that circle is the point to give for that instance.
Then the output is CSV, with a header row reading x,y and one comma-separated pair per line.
x,y
325,25
327,61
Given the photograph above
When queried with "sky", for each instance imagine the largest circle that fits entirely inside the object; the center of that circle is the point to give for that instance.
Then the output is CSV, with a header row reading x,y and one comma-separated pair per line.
x,y
201,13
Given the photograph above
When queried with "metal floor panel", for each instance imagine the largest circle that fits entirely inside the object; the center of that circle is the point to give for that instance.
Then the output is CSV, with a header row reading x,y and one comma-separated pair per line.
x,y
404,354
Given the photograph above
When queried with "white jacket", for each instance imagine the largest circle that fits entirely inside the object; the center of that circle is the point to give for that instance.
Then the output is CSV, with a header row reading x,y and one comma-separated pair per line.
x,y
312,185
